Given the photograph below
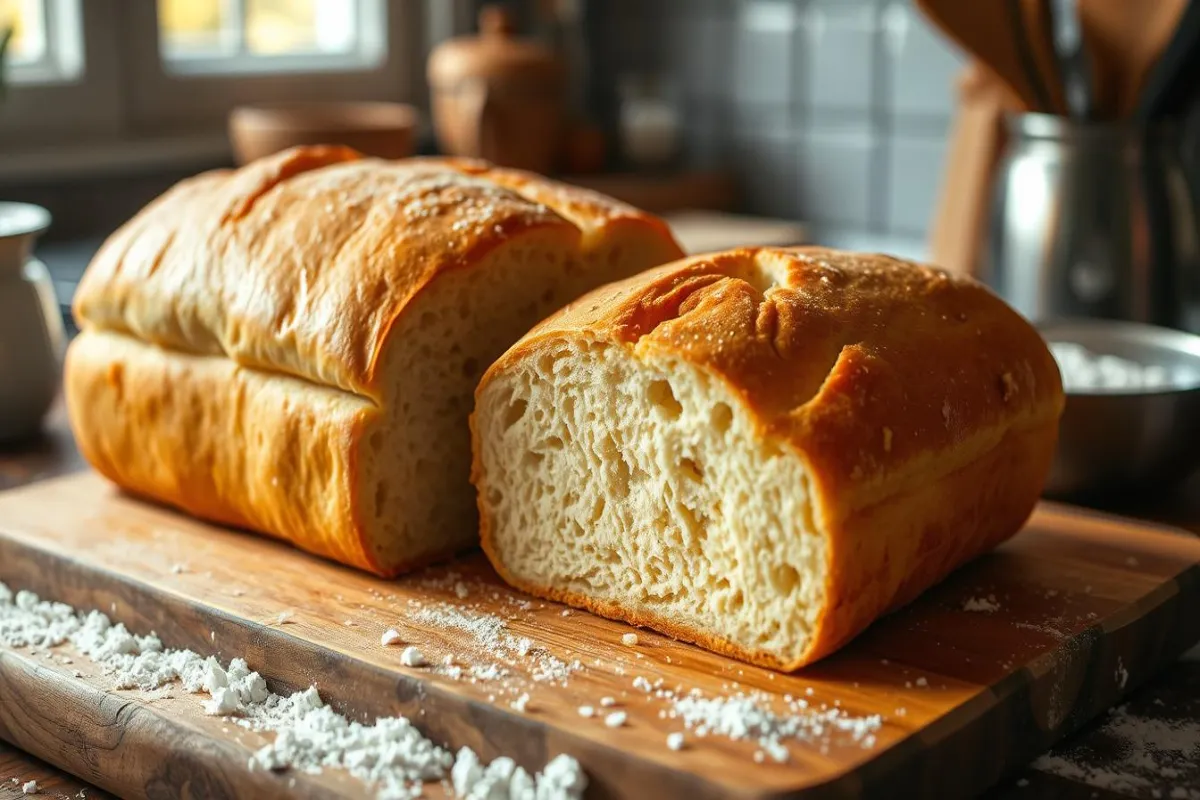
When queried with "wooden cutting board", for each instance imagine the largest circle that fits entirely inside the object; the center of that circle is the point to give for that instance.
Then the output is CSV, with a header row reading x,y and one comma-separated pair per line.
x,y
1087,607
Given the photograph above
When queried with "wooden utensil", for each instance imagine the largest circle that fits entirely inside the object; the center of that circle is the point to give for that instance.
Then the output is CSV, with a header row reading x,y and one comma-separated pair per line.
x,y
1038,19
1126,37
989,32
1171,82
976,141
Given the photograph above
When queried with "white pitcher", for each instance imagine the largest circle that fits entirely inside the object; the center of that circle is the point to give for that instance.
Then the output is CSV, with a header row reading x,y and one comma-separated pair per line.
x,y
31,326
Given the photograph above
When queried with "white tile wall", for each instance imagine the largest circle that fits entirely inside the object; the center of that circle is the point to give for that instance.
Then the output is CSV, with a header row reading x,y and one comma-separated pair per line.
x,y
914,173
836,181
840,42
832,111
765,62
920,64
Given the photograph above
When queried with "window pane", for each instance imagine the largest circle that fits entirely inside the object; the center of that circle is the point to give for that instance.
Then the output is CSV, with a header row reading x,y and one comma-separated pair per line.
x,y
278,27
190,28
28,19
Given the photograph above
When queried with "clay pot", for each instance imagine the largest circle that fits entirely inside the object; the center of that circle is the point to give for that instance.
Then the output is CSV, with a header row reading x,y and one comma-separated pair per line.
x,y
498,98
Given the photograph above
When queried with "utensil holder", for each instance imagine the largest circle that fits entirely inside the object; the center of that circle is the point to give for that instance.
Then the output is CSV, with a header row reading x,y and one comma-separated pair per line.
x,y
1094,219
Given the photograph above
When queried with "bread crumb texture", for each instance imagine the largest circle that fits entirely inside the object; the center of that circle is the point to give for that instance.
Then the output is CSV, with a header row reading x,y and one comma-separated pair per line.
x,y
762,450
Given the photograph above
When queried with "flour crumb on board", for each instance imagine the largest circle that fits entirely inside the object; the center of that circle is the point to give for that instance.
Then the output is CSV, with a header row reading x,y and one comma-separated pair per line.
x,y
412,657
616,719
30,787
629,639
391,755
390,637
986,604
587,711
1122,674
176,569
521,704
284,617
675,741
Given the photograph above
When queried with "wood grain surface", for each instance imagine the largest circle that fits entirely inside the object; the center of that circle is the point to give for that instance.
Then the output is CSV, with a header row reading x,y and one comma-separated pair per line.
x,y
1088,608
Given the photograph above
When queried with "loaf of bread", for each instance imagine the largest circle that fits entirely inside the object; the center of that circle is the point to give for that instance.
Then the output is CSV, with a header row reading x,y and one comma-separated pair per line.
x,y
762,451
292,347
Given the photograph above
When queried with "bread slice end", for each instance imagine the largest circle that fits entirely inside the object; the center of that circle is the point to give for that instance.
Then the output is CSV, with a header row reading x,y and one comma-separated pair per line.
x,y
637,485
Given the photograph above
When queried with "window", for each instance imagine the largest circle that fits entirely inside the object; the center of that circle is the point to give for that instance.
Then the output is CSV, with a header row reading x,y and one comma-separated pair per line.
x,y
47,43
120,72
246,36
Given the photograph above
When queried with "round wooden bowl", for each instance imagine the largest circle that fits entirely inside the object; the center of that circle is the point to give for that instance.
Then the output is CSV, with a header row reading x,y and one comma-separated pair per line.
x,y
383,130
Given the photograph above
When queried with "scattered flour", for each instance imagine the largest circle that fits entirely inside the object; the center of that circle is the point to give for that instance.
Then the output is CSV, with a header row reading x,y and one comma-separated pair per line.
x,y
1089,372
675,740
491,633
30,787
390,637
391,755
1137,754
987,604
747,716
629,639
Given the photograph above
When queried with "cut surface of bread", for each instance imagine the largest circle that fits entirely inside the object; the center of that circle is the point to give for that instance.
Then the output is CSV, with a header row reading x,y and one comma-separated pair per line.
x,y
292,347
765,450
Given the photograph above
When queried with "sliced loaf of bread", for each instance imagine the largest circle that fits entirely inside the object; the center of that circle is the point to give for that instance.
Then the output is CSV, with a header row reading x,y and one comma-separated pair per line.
x,y
762,451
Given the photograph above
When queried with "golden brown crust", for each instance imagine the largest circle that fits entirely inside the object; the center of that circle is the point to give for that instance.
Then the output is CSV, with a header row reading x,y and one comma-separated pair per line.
x,y
301,262
892,381
220,441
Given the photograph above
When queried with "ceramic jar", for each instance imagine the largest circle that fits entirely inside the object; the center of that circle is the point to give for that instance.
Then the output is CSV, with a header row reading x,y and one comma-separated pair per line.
x,y
497,97
31,326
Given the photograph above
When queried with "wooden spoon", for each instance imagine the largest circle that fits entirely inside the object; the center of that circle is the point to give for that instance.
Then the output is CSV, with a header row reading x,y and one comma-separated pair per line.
x,y
986,30
956,236
1171,84
1126,38
1039,23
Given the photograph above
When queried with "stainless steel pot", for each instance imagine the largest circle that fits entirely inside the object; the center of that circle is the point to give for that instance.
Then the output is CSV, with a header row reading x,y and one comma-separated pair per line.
x,y
1094,219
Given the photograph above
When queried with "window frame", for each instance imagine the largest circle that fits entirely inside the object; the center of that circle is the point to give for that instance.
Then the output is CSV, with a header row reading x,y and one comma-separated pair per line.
x,y
160,97
127,92
87,105
60,19
370,53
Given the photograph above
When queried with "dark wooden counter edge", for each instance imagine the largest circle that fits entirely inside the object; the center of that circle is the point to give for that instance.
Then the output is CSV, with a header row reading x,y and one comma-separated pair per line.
x,y
54,454
130,749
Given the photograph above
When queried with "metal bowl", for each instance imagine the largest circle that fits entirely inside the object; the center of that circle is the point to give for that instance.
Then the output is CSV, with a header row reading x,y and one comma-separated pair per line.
x,y
1126,441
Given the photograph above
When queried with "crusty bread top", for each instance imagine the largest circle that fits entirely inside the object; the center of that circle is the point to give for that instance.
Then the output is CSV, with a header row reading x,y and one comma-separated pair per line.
x,y
301,262
869,365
